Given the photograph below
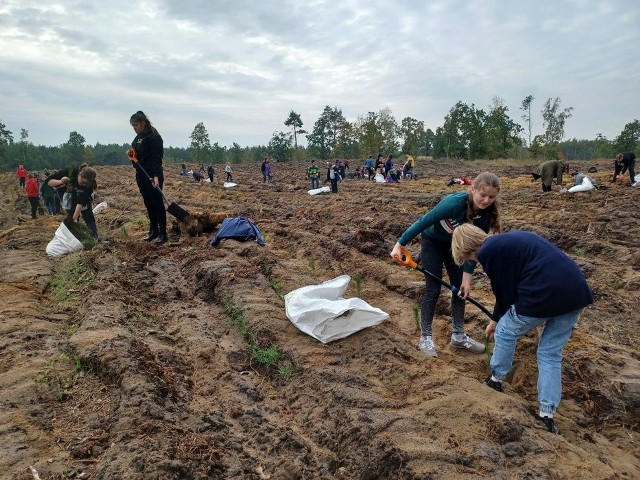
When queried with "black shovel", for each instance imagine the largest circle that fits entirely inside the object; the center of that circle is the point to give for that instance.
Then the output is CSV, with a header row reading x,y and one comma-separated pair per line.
x,y
407,261
172,207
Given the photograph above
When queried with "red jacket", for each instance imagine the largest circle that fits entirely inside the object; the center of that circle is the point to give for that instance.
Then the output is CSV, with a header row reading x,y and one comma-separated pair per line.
x,y
31,187
21,172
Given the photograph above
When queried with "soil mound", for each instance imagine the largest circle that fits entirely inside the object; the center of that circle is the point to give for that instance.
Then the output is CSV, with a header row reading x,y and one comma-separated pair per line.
x,y
177,361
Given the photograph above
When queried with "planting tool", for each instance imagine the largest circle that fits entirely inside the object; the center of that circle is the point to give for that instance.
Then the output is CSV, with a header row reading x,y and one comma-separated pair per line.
x,y
407,261
172,207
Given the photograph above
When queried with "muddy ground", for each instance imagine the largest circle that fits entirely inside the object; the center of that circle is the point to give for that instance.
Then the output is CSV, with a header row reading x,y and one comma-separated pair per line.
x,y
133,361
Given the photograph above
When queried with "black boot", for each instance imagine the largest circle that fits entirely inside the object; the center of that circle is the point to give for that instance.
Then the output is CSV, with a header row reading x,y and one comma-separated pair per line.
x,y
152,235
161,238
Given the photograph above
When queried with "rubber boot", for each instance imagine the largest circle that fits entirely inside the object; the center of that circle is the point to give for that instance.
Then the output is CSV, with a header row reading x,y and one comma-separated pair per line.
x,y
152,235
161,238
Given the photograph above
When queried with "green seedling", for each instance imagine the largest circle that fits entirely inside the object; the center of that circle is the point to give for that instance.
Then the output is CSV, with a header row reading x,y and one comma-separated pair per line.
x,y
357,278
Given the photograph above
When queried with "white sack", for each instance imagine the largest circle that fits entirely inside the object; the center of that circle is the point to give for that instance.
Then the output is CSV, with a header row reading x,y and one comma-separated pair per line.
x,y
316,191
63,242
320,310
636,182
379,178
229,184
585,186
99,208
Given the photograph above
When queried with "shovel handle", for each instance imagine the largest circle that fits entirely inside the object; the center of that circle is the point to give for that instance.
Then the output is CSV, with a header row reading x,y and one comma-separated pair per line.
x,y
132,154
407,261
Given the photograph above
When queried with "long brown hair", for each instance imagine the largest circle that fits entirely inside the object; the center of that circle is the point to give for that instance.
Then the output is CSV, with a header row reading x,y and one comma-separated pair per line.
x,y
488,179
140,116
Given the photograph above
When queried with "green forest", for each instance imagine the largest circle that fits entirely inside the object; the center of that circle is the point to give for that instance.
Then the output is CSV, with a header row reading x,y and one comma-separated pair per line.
x,y
467,133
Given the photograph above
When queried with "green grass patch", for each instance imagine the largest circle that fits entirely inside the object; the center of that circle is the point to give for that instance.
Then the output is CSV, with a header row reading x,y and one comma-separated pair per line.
x,y
263,353
277,287
265,356
72,274
61,374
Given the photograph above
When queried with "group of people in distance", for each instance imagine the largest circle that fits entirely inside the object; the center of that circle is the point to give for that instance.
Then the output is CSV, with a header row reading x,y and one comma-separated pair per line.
x,y
533,281
552,170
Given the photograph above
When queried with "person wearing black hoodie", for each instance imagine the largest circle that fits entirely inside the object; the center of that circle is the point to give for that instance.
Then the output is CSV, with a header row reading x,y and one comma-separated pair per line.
x,y
149,151
625,161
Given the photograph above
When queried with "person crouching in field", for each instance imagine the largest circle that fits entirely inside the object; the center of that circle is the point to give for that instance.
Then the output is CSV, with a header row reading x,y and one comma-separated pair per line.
x,y
535,284
80,183
625,161
550,170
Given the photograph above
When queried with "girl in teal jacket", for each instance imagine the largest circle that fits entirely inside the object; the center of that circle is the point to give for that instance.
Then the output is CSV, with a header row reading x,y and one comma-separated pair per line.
x,y
477,206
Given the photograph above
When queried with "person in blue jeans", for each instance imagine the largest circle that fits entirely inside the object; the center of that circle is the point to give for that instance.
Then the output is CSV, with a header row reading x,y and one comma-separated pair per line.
x,y
535,284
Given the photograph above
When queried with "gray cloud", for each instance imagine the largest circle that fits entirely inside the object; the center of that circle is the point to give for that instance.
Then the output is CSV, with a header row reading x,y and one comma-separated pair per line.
x,y
241,66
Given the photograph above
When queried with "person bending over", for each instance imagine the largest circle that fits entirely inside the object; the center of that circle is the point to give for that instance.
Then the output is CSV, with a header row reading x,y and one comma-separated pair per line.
x,y
535,284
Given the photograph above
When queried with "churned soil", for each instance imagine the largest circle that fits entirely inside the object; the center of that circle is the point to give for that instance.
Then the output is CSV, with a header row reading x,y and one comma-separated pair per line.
x,y
137,361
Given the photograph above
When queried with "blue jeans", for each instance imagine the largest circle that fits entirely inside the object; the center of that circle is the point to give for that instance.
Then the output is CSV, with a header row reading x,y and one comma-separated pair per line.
x,y
555,336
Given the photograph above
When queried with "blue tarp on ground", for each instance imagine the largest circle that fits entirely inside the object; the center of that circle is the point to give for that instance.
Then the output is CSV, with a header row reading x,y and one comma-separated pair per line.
x,y
237,228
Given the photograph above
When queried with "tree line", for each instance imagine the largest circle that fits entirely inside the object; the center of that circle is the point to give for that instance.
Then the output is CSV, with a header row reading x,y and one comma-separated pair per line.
x,y
467,132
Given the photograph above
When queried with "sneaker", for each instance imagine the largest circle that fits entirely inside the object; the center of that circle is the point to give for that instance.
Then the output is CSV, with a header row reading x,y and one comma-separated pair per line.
x,y
152,235
462,340
497,386
427,346
548,422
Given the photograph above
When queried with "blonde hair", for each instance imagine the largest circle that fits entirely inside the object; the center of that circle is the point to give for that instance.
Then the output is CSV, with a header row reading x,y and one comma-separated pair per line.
x,y
488,179
466,241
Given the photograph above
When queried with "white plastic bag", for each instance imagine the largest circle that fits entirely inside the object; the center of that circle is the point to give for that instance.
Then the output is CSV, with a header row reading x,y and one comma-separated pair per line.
x,y
322,312
317,191
229,184
101,207
379,178
63,242
585,186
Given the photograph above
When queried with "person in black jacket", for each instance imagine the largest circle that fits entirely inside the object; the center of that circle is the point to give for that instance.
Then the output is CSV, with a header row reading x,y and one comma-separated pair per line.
x,y
535,284
149,151
80,182
625,161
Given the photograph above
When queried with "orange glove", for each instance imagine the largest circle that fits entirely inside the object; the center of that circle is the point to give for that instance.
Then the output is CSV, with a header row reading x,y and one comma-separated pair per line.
x,y
133,156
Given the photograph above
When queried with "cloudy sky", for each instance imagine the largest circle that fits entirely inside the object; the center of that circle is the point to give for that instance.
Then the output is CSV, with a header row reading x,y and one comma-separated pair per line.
x,y
241,66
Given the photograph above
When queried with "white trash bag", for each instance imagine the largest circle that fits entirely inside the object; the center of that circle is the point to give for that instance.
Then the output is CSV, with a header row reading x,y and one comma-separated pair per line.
x,y
322,312
63,242
101,207
317,191
229,184
585,186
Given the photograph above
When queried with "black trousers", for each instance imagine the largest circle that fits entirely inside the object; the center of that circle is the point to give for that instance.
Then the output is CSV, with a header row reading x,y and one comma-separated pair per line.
x,y
34,201
153,202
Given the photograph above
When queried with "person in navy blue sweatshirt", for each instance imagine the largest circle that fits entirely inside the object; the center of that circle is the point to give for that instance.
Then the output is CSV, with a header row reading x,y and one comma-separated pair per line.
x,y
149,151
476,206
625,161
535,284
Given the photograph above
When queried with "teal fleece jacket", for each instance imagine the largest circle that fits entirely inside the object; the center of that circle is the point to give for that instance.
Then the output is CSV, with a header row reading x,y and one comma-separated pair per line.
x,y
438,223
